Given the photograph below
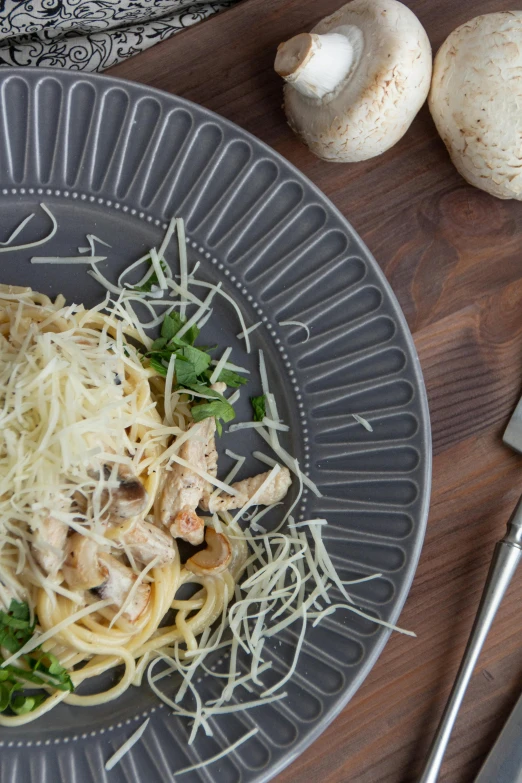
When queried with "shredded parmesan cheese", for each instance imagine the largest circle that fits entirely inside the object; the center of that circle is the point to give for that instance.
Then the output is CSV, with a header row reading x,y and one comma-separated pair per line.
x,y
133,739
10,248
361,420
18,230
67,259
218,756
183,264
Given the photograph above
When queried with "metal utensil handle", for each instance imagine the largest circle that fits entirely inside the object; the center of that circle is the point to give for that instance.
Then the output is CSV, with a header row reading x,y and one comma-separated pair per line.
x,y
506,558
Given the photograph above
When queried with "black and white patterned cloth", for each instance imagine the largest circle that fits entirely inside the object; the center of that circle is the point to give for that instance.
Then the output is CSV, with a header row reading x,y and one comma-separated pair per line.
x,y
91,35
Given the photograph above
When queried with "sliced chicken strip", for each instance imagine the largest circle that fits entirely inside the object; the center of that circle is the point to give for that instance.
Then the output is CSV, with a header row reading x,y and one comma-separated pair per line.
x,y
118,582
82,570
48,545
183,487
211,455
146,541
274,491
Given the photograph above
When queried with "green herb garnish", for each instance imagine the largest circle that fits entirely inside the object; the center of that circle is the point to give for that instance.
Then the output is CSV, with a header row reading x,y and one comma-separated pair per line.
x,y
218,409
35,670
146,288
192,368
230,377
259,407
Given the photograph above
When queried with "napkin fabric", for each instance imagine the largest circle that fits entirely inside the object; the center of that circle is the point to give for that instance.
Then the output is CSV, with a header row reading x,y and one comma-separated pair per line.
x,y
91,35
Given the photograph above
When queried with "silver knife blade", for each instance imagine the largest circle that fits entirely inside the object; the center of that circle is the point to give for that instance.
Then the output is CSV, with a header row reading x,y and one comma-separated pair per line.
x,y
513,432
504,763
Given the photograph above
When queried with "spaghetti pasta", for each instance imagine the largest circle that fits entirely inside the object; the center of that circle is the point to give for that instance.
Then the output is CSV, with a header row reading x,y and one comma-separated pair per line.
x,y
83,454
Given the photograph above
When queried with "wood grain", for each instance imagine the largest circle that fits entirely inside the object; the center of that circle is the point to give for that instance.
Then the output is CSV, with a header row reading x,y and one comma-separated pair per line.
x,y
454,258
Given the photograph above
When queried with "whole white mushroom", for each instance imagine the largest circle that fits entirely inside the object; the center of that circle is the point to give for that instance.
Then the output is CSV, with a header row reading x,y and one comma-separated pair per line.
x,y
355,83
476,101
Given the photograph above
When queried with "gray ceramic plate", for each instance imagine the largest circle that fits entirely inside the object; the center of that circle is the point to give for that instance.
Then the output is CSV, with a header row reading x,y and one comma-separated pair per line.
x,y
118,160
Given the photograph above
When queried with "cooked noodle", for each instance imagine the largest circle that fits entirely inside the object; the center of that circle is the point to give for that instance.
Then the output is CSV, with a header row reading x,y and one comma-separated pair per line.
x,y
127,428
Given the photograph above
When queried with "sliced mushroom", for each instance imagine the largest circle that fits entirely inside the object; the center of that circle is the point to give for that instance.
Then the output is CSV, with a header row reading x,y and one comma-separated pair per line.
x,y
146,541
274,491
183,487
215,558
117,584
82,569
49,544
127,500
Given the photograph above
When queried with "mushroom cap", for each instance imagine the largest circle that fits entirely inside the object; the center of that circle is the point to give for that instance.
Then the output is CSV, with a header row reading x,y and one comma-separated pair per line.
x,y
214,558
375,105
475,101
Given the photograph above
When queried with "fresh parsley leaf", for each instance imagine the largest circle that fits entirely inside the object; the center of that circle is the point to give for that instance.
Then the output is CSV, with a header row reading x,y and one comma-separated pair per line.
x,y
185,372
191,335
53,669
199,359
19,610
231,378
21,704
171,325
202,389
146,288
34,670
15,628
158,344
218,409
259,407
193,371
157,364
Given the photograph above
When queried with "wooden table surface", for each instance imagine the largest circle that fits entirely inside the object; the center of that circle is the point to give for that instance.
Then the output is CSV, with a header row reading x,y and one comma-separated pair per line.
x,y
453,256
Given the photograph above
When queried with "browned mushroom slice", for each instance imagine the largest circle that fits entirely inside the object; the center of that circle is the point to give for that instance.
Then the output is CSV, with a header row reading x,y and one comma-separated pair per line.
x,y
274,491
81,569
49,544
215,558
119,580
146,541
128,499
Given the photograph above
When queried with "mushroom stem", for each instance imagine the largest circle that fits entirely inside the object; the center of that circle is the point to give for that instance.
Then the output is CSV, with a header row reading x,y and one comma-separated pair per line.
x,y
316,64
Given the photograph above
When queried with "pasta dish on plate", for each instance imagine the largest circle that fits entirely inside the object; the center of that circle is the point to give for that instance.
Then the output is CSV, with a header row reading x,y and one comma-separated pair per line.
x,y
120,545
90,515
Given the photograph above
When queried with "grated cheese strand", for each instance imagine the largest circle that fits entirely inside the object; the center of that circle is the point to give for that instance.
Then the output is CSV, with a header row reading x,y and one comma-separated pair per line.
x,y
366,424
218,756
18,230
133,739
183,264
220,365
67,259
37,242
